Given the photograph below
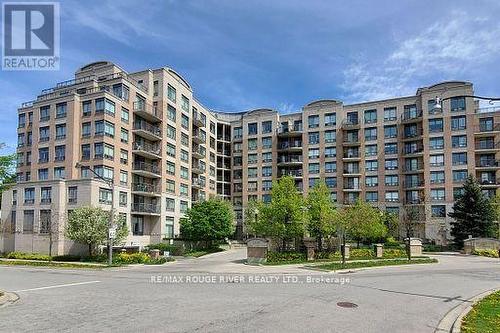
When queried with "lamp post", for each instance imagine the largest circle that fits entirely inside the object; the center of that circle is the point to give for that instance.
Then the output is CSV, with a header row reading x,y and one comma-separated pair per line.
x,y
111,184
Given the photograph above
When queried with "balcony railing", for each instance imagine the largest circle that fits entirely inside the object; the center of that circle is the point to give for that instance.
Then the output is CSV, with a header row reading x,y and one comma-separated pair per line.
x,y
144,187
411,115
352,154
417,167
147,147
487,145
488,127
287,145
145,126
414,183
292,173
412,134
288,159
148,167
146,208
487,163
290,129
146,108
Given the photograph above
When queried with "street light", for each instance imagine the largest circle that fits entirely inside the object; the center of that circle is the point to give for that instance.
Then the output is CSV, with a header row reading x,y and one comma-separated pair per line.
x,y
111,184
438,105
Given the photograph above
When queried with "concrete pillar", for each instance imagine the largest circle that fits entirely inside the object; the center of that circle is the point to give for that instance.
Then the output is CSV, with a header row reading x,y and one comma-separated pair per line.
x,y
379,250
310,244
154,254
257,251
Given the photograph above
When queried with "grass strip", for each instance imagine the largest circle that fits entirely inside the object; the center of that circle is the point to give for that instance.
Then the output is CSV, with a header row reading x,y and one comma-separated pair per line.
x,y
51,264
484,316
375,263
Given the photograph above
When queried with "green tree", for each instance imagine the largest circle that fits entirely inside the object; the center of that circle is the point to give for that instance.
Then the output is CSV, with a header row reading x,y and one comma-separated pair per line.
x,y
391,222
285,217
473,213
89,225
366,223
413,215
208,220
495,204
321,213
255,225
7,171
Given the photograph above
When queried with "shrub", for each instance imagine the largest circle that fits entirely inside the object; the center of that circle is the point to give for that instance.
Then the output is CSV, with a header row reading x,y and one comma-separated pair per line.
x,y
394,253
361,253
28,256
131,258
285,257
67,257
486,253
174,250
390,242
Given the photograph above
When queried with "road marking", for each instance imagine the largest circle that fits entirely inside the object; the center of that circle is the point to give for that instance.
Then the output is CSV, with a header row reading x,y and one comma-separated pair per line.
x,y
57,286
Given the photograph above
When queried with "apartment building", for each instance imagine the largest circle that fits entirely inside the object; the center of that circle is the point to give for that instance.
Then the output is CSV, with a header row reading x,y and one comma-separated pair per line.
x,y
162,150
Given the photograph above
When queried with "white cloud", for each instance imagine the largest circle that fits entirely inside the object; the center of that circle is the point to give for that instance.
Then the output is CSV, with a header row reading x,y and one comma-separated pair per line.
x,y
286,108
449,49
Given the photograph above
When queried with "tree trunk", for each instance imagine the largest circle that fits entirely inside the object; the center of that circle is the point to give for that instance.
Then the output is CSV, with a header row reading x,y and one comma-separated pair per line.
x,y
90,250
319,240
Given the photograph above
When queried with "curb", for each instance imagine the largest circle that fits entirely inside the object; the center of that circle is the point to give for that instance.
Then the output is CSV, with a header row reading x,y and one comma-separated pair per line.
x,y
452,321
8,298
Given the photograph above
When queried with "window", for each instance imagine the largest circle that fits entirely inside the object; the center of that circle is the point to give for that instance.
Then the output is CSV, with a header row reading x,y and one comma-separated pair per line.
x,y
123,156
457,104
171,93
252,158
391,148
183,206
371,133
330,119
122,199
86,152
170,168
313,168
314,138
459,176
171,132
21,120
43,155
238,132
29,195
331,167
458,123
123,177
437,194
184,103
437,177
170,186
99,105
330,136
435,125
237,147
45,195
86,129
390,131
371,196
59,173
252,172
372,165
267,185
459,158
436,160
391,164
184,190
459,141
370,150
391,180
105,196
313,153
104,171
125,115
28,221
170,204
267,126
184,173
438,211
252,144
169,227
436,143
72,194
60,131
45,113
60,153
267,142
371,181
185,121
330,152
252,129
390,114
61,110
267,171
44,134
313,121
185,156
370,116
170,150
392,196
87,108
486,124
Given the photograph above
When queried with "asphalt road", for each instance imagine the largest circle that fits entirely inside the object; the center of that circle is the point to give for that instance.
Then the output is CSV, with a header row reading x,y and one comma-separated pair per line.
x,y
218,293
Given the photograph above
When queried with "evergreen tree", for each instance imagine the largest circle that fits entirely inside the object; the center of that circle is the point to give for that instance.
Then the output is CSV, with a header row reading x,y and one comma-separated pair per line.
x,y
473,213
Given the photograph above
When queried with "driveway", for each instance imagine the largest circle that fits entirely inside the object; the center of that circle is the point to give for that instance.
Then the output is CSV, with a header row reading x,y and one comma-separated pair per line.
x,y
159,299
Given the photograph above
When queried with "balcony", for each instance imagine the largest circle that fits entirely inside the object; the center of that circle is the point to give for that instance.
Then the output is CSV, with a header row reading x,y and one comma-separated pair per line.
x,y
412,134
291,173
413,168
350,123
197,168
413,150
147,150
487,163
295,130
198,184
351,141
147,111
198,153
146,189
146,169
290,146
411,116
197,138
145,209
351,171
290,160
147,130
414,184
197,121
352,187
352,155
487,145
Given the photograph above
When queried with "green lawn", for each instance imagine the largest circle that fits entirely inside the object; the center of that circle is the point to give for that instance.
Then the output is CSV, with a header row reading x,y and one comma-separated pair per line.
x,y
50,264
333,266
484,316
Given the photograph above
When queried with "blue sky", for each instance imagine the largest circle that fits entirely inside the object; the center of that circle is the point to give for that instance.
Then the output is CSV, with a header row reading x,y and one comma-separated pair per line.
x,y
240,54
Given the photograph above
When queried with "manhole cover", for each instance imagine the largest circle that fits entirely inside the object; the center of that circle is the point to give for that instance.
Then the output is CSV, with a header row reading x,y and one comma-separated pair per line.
x,y
347,305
